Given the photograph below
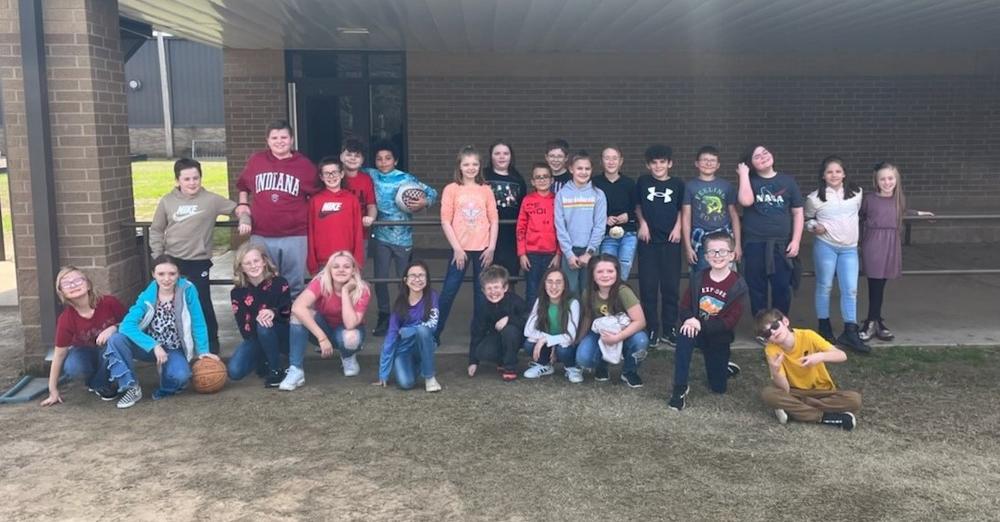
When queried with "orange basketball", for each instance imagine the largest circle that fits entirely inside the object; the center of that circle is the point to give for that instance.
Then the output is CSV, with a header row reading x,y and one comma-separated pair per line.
x,y
208,375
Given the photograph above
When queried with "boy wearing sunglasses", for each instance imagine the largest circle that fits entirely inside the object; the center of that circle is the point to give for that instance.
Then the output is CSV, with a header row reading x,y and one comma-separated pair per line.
x,y
708,313
801,387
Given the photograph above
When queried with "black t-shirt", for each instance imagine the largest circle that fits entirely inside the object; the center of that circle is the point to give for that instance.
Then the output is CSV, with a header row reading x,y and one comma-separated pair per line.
x,y
770,216
508,191
621,198
559,180
660,201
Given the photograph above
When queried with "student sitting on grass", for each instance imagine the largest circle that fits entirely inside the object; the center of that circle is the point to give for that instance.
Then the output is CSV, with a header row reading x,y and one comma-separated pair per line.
x,y
497,334
164,325
262,305
709,312
409,342
801,388
86,323
330,313
551,329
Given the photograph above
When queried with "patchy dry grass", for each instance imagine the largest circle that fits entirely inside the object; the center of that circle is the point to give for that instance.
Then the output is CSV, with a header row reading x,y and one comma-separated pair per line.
x,y
925,449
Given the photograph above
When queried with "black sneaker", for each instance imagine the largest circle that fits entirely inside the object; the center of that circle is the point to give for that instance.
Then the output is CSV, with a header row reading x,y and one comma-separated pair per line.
x,y
669,337
847,421
382,326
654,339
679,399
733,369
274,378
106,393
632,380
883,333
601,373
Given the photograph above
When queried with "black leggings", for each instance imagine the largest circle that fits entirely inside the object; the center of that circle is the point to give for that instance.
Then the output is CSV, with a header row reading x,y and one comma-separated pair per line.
x,y
876,291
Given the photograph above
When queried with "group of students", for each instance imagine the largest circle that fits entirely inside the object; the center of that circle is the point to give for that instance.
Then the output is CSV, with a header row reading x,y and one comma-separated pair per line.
x,y
576,236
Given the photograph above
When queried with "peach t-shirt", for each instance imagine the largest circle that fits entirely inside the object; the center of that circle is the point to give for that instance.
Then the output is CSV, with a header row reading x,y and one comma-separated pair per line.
x,y
470,209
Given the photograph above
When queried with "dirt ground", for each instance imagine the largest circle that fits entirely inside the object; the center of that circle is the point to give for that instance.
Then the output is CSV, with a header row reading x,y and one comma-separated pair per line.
x,y
339,449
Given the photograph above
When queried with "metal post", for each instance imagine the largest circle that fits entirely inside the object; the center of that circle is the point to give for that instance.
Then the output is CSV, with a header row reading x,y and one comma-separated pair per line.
x,y
39,142
168,121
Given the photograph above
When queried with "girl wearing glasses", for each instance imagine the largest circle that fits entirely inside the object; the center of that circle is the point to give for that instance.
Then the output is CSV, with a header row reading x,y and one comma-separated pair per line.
x,y
409,342
85,324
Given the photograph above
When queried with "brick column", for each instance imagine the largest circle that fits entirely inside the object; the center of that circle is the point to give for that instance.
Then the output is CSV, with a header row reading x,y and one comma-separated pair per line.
x,y
253,94
89,132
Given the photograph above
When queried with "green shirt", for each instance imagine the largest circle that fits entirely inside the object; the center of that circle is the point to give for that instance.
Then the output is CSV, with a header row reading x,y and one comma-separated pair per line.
x,y
626,297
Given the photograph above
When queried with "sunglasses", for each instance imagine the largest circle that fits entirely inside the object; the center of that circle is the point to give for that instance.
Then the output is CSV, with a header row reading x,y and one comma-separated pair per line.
x,y
769,329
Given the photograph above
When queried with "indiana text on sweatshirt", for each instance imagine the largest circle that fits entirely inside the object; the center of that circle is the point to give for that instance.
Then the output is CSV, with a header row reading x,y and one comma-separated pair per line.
x,y
278,191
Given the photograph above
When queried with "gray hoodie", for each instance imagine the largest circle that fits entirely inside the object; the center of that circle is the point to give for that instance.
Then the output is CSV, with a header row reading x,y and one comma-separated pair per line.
x,y
182,225
581,214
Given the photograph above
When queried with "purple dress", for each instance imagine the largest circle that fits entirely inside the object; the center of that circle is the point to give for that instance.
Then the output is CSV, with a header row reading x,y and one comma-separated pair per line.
x,y
881,247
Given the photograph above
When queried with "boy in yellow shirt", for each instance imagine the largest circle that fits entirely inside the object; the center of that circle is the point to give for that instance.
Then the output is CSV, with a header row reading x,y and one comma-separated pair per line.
x,y
801,387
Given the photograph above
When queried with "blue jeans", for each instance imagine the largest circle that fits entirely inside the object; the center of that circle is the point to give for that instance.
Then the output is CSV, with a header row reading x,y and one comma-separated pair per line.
x,y
265,344
120,352
624,249
716,361
299,335
413,352
634,349
533,279
758,280
289,253
843,261
452,284
86,363
565,355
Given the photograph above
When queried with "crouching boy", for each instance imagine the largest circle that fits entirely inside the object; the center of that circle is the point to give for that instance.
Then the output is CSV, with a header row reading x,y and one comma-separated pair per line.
x,y
801,387
709,312
497,334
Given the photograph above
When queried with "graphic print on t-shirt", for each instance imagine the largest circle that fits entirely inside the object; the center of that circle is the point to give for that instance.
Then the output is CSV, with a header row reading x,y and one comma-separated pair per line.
x,y
184,212
653,195
711,207
767,202
330,207
506,193
710,306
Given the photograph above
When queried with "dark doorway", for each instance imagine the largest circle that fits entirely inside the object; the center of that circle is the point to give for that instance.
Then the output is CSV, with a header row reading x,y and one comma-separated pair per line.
x,y
348,94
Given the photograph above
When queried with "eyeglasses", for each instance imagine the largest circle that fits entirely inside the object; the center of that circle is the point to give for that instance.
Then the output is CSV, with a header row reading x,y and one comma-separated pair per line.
x,y
720,252
709,161
770,329
330,174
416,277
540,178
72,283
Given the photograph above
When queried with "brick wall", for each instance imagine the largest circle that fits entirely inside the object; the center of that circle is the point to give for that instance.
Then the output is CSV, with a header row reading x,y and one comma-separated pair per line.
x,y
90,152
253,90
943,129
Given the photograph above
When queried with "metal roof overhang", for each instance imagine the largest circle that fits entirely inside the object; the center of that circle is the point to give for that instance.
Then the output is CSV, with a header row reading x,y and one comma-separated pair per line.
x,y
553,26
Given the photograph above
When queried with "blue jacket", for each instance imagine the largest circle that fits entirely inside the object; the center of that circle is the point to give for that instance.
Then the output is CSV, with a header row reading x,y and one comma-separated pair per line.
x,y
385,199
187,312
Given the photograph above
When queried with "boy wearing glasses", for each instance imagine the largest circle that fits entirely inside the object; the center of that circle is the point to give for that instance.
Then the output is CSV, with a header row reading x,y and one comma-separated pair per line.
x,y
556,155
709,206
801,387
708,314
537,246
334,219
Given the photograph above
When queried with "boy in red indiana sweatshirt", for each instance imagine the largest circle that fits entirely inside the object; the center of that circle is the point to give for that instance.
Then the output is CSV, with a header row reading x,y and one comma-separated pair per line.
x,y
537,246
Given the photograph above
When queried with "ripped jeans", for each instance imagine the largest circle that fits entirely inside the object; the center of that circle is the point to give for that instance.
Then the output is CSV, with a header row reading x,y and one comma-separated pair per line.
x,y
634,349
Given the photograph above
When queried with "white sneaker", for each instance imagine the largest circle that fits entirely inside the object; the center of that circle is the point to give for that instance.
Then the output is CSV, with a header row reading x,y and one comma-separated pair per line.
x,y
432,385
781,415
131,396
294,378
538,370
351,366
574,374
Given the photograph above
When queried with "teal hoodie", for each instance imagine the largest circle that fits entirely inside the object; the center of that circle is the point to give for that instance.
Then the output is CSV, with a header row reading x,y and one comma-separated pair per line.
x,y
187,313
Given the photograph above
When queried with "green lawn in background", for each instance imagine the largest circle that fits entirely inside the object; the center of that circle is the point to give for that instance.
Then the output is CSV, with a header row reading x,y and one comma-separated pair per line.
x,y
150,181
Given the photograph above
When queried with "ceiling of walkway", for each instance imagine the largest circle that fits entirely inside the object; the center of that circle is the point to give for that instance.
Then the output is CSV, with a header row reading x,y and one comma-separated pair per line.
x,y
579,25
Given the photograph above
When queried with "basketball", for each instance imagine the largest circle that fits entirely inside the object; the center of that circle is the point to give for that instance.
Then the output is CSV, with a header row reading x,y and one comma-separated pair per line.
x,y
409,193
208,375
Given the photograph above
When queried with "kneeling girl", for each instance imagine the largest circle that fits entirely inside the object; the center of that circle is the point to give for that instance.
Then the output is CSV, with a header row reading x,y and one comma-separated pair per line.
x,y
409,342
551,327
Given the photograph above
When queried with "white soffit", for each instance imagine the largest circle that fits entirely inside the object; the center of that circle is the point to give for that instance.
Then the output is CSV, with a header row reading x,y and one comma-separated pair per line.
x,y
543,26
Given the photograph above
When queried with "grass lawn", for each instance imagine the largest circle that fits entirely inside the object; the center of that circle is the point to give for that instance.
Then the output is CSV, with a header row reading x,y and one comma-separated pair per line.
x,y
926,448
150,181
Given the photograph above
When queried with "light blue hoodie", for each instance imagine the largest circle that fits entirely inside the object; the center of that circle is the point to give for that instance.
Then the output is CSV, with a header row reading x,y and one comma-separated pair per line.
x,y
581,216
386,186
187,314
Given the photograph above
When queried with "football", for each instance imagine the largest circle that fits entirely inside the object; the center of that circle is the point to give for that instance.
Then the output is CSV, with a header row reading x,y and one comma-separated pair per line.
x,y
409,193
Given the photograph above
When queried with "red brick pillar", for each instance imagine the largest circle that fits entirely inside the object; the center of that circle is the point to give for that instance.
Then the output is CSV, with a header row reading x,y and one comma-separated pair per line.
x,y
253,94
89,134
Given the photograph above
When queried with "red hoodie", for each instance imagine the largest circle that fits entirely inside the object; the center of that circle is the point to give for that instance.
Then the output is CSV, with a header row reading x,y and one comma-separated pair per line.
x,y
334,224
279,189
536,225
